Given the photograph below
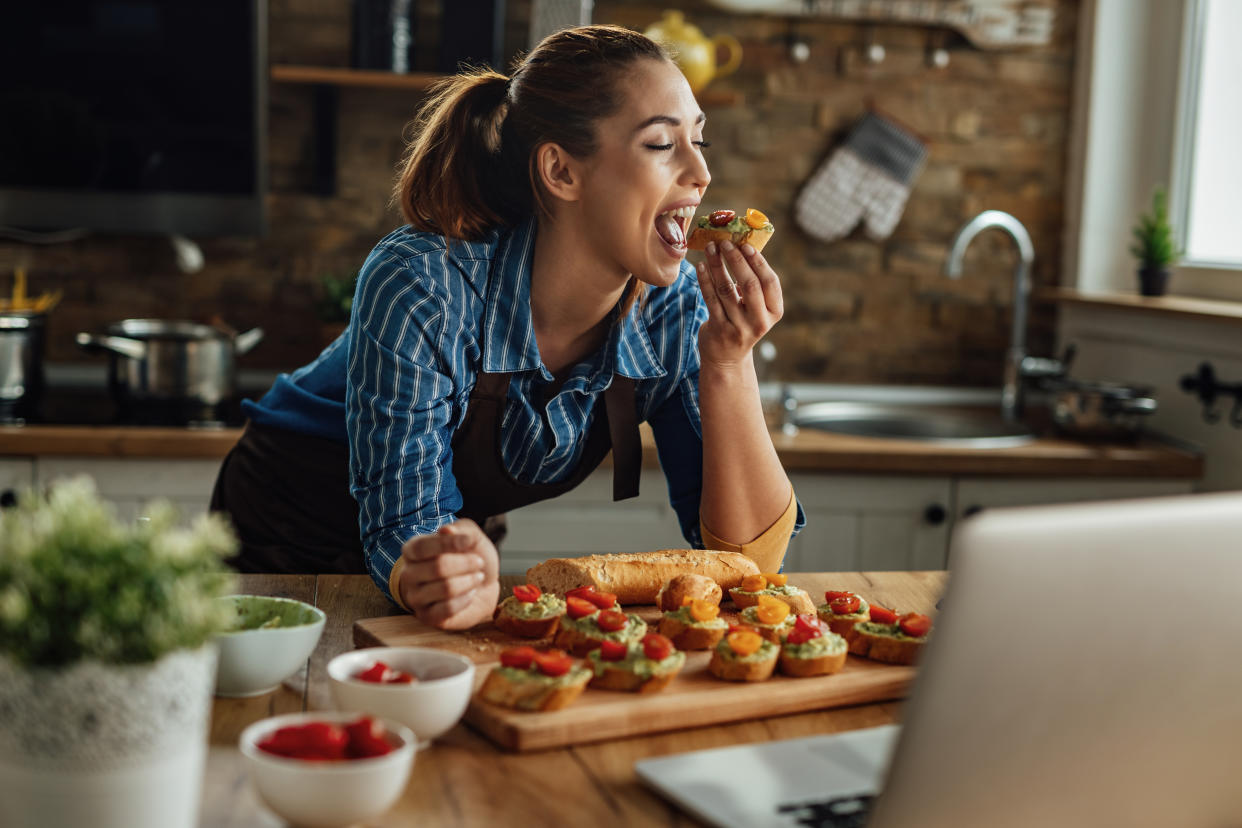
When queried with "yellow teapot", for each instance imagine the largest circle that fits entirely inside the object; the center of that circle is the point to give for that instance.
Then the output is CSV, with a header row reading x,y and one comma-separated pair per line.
x,y
694,52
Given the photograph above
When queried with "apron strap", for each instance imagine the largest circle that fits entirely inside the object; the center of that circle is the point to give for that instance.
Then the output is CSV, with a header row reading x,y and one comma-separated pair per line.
x,y
627,448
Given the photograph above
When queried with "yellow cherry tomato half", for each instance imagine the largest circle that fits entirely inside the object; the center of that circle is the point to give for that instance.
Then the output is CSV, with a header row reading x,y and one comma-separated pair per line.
x,y
776,578
743,642
772,613
755,219
754,583
703,610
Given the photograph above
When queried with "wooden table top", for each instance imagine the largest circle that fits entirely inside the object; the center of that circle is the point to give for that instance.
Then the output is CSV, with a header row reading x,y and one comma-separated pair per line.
x,y
463,779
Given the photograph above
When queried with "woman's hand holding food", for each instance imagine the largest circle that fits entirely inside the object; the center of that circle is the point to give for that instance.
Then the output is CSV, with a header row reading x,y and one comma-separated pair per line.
x,y
451,577
742,309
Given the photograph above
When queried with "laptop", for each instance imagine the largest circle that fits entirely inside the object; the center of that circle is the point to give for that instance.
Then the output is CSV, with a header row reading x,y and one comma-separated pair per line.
x,y
1085,669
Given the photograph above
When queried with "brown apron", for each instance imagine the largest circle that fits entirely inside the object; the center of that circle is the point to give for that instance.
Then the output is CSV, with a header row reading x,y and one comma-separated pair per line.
x,y
289,500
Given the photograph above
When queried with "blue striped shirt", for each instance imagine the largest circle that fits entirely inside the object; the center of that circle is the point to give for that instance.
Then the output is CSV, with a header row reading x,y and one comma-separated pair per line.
x,y
429,313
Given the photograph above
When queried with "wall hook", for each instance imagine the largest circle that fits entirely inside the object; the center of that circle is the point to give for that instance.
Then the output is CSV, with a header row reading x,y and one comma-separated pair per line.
x,y
1208,388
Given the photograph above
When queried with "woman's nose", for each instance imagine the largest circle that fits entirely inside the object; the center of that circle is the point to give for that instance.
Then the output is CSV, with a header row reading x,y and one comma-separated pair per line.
x,y
696,173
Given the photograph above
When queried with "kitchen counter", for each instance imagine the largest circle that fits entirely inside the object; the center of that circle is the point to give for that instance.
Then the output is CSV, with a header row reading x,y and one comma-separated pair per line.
x,y
462,778
806,451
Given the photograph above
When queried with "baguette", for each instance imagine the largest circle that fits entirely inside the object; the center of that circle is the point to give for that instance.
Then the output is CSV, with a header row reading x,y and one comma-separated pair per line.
x,y
687,636
690,585
728,666
636,577
885,642
508,617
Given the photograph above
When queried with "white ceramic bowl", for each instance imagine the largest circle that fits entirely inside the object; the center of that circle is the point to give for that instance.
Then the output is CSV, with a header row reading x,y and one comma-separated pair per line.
x,y
327,794
429,707
256,661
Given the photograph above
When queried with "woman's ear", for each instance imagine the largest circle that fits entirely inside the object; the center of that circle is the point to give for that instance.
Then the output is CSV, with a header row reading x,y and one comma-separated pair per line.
x,y
559,172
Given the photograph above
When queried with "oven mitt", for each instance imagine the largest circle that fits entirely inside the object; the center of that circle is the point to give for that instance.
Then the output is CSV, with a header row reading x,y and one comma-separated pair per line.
x,y
867,178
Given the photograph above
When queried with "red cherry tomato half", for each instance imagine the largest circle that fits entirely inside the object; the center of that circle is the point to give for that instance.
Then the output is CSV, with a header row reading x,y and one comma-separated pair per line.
x,y
366,739
833,594
613,650
721,217
322,741
579,607
800,636
375,674
656,646
845,605
808,624
527,593
612,620
518,657
915,624
580,592
553,663
603,600
883,615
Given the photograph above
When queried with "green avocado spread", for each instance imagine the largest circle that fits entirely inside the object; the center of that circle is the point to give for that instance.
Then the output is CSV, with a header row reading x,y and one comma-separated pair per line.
x,y
751,616
863,614
547,606
887,630
825,645
637,663
738,225
632,631
683,615
573,676
787,589
767,650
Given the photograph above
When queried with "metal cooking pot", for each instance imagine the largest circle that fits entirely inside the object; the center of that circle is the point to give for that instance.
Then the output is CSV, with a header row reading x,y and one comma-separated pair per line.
x,y
1101,410
22,335
171,362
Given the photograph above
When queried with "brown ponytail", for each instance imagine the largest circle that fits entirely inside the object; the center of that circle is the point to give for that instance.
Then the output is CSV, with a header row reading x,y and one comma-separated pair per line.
x,y
471,164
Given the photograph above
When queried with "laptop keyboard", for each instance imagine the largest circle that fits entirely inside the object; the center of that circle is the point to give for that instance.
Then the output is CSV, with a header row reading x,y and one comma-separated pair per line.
x,y
839,812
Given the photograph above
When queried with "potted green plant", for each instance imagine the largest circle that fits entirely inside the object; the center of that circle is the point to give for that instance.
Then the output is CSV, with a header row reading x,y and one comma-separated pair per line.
x,y
106,659
334,303
1154,247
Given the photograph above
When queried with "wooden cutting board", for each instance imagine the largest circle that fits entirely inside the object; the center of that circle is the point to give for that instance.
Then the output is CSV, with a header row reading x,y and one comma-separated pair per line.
x,y
695,698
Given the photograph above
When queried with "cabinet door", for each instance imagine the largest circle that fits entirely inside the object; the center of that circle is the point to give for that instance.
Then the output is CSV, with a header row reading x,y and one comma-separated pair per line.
x,y
130,483
870,523
587,521
16,474
977,493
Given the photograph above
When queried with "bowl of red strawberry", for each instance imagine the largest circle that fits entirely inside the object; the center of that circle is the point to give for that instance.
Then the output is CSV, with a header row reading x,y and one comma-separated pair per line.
x,y
327,769
426,690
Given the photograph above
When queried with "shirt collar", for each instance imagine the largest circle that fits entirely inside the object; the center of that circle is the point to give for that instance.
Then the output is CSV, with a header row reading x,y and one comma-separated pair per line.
x,y
509,332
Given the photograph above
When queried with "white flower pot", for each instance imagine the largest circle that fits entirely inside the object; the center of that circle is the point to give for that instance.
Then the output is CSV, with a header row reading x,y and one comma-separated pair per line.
x,y
105,745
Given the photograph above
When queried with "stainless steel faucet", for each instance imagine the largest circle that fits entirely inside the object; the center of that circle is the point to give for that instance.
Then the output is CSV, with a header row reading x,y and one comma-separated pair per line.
x,y
1011,390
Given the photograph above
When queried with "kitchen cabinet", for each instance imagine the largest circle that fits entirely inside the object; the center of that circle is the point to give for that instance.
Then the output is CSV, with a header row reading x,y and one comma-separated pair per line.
x,y
16,474
130,483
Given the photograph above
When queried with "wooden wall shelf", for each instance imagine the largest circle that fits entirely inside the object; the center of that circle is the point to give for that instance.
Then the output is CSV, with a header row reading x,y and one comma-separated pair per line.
x,y
340,76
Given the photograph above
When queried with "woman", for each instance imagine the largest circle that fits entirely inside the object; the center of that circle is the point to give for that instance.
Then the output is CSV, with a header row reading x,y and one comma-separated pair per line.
x,y
539,307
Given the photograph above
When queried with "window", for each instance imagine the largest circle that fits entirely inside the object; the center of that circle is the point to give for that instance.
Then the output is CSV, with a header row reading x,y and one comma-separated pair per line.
x,y
1207,167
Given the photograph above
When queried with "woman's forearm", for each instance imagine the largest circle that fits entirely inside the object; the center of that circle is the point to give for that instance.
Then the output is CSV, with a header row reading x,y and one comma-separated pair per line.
x,y
745,489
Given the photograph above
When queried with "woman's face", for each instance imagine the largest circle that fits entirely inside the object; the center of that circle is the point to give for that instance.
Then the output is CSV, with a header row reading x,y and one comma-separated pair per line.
x,y
641,188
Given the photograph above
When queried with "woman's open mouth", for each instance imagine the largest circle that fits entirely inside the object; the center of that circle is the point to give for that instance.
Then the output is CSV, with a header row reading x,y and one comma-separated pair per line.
x,y
671,227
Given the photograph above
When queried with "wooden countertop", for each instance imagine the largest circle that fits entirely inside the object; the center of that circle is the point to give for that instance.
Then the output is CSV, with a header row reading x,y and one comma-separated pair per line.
x,y
807,451
462,779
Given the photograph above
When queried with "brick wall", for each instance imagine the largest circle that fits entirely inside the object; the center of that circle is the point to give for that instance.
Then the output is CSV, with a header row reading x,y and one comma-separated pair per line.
x,y
858,310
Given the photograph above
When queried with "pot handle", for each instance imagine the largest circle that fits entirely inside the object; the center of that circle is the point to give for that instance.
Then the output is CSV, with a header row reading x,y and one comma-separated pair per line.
x,y
132,348
243,342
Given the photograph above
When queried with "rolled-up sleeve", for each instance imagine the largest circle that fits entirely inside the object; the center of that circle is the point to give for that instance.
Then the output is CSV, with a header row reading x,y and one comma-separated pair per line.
x,y
400,408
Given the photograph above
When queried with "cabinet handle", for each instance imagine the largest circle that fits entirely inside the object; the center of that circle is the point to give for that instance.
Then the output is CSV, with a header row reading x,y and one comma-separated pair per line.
x,y
934,515
972,509
8,498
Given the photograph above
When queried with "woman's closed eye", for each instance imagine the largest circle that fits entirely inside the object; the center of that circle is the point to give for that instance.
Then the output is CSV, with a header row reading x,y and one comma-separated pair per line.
x,y
704,144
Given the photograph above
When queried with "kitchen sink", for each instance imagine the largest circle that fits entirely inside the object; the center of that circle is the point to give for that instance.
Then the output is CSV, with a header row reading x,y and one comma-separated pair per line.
x,y
940,424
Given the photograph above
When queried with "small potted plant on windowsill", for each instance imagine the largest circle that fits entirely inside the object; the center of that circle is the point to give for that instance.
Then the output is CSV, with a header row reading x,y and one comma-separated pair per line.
x,y
334,303
107,662
1154,247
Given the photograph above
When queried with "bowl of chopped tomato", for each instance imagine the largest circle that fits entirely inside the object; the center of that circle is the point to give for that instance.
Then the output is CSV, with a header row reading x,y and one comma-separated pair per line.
x,y
328,769
424,689
267,640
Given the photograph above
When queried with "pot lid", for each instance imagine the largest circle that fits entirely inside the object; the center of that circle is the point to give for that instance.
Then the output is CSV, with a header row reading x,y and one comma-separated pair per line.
x,y
179,330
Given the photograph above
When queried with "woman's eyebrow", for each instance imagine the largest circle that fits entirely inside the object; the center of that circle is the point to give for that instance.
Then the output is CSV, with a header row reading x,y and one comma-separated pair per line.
x,y
667,119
